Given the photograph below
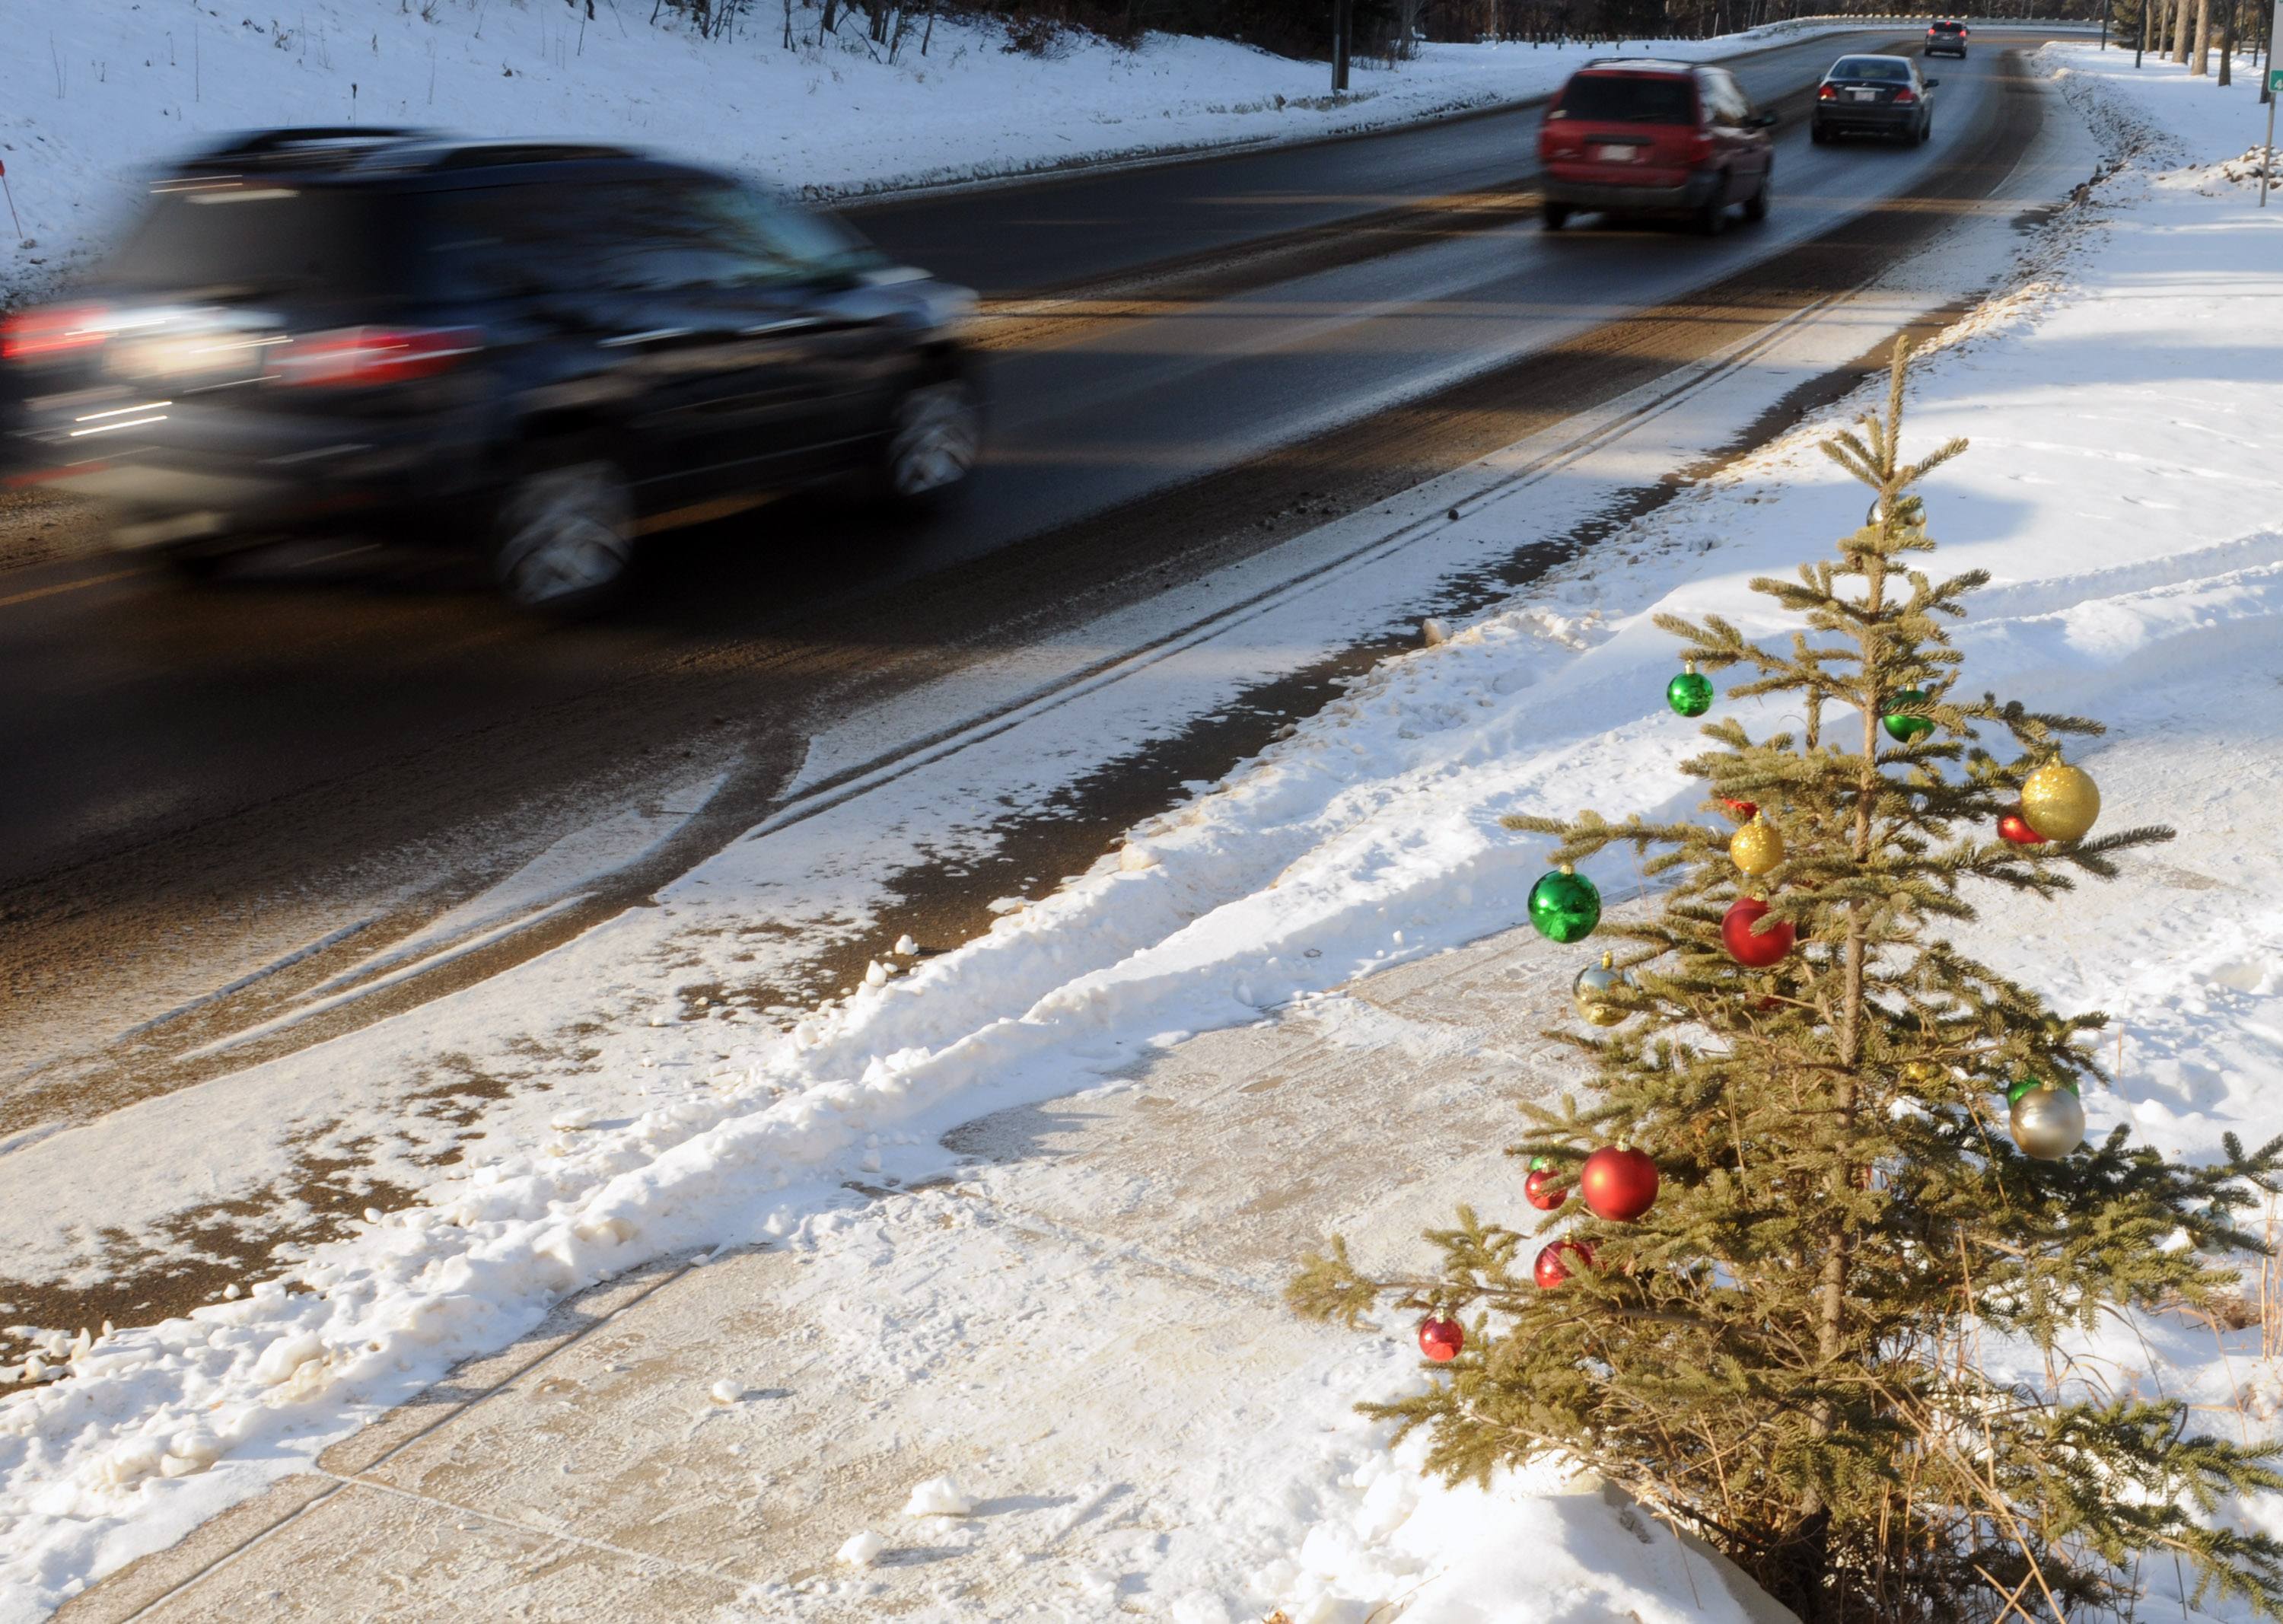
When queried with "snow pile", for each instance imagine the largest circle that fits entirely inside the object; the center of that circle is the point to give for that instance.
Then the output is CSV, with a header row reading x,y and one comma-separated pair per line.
x,y
1532,1546
121,86
2120,492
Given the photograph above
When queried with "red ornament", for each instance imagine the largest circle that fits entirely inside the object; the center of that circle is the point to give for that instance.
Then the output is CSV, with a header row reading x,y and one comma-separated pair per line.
x,y
2014,828
1549,1270
1618,1183
1757,949
1541,1190
1440,1337
1742,811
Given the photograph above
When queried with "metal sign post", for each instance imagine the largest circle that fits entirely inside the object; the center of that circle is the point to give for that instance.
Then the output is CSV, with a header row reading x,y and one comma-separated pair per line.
x,y
2267,147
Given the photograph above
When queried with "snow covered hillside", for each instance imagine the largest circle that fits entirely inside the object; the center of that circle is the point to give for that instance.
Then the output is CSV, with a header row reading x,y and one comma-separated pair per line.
x,y
2124,414
96,91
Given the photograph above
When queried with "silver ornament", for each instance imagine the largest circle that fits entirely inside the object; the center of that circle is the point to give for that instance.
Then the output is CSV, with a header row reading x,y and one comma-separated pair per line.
x,y
1592,989
2048,1122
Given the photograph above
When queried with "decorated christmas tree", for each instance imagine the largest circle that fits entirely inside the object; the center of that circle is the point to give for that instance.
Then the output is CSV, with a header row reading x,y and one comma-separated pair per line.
x,y
1829,1196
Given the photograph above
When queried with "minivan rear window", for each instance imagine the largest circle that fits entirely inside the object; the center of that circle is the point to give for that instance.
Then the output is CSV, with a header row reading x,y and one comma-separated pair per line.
x,y
1630,98
254,237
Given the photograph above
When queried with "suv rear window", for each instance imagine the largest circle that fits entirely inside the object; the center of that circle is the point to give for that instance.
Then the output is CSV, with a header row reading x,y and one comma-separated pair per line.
x,y
255,237
1630,98
1948,27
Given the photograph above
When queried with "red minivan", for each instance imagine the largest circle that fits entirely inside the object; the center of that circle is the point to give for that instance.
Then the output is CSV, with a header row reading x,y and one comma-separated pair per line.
x,y
1635,135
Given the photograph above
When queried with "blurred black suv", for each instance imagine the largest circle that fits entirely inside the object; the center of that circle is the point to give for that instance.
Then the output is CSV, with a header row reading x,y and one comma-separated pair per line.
x,y
545,350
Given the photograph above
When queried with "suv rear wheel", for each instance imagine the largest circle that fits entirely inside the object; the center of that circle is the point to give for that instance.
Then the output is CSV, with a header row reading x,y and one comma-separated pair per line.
x,y
1555,214
935,437
1756,207
565,533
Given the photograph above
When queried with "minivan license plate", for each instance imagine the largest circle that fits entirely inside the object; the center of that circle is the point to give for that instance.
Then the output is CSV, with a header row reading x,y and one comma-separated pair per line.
x,y
1616,154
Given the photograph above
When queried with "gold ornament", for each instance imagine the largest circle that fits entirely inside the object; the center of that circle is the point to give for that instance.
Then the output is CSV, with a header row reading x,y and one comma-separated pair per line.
x,y
2060,801
1756,848
2048,1122
1923,1073
1591,993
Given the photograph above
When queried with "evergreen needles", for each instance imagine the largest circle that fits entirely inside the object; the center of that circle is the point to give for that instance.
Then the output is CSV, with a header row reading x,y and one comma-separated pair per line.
x,y
1786,1353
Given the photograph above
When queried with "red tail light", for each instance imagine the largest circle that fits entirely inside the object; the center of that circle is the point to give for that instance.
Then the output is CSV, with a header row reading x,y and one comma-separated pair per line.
x,y
1906,94
361,356
1700,148
1830,92
56,330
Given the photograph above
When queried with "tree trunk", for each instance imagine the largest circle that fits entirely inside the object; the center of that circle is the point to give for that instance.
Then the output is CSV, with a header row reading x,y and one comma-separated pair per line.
x,y
2199,60
2180,31
2227,43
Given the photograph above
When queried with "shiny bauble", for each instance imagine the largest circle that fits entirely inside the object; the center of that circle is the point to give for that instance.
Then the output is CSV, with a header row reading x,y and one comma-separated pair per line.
x,y
1544,1189
1689,694
2030,1085
1901,728
1591,993
1618,1184
1742,811
1441,1337
2014,829
1756,848
1540,1164
2060,802
1564,905
1925,1074
2048,1123
1755,949
1555,1263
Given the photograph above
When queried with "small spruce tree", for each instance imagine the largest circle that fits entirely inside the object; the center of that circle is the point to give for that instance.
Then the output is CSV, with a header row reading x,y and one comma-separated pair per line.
x,y
1786,1353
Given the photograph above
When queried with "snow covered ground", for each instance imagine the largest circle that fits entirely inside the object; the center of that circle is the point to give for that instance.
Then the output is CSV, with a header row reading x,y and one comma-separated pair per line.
x,y
91,94
2124,411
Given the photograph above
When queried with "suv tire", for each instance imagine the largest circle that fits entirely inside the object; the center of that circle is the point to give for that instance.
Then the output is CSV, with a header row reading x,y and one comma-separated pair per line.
x,y
1756,207
935,437
565,534
1712,214
1555,215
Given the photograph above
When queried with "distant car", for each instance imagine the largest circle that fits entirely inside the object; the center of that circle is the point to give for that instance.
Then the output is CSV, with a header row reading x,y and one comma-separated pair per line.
x,y
1873,96
1946,39
546,351
1637,136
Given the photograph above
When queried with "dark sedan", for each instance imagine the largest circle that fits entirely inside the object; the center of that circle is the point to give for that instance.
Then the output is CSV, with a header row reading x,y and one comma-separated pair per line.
x,y
1873,96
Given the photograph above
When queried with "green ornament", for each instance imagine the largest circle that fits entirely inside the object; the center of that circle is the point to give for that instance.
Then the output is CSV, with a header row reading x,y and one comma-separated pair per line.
x,y
1564,905
1901,729
2029,1085
1538,1164
1689,694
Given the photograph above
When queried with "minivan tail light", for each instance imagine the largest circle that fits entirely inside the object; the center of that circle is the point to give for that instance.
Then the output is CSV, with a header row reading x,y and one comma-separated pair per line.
x,y
54,330
1700,148
361,356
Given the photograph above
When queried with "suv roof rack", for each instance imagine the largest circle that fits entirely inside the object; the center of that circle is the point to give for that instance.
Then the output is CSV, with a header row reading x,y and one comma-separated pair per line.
x,y
305,142
368,147
483,154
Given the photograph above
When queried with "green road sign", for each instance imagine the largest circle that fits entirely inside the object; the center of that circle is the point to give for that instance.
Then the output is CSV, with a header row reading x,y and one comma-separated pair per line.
x,y
2275,80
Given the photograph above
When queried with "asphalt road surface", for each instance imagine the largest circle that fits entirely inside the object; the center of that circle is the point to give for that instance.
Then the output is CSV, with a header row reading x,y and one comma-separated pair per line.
x,y
205,789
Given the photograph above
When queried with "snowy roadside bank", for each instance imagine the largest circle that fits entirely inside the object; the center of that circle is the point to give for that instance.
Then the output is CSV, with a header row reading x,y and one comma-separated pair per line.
x,y
2114,494
123,87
